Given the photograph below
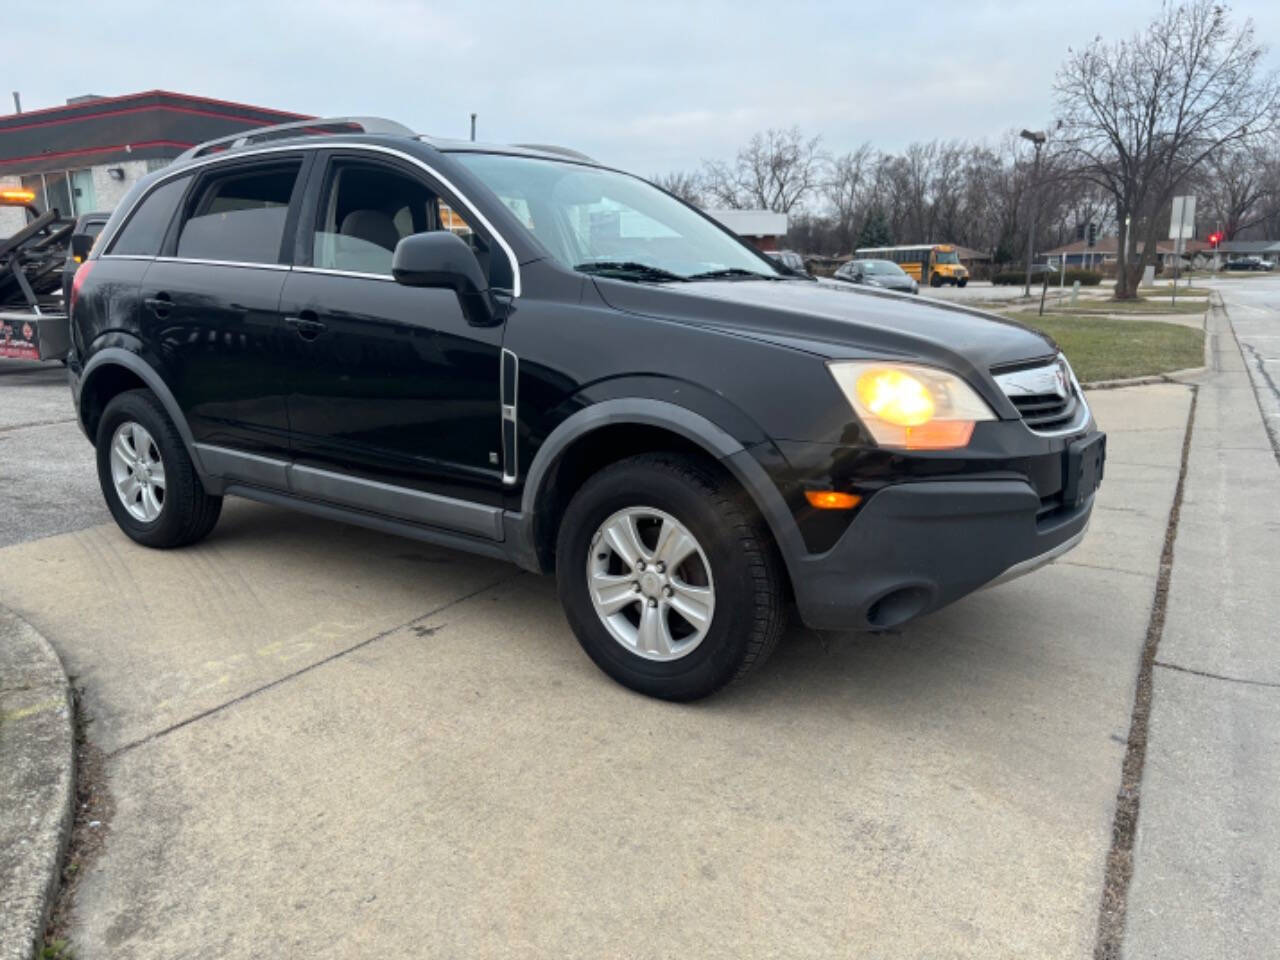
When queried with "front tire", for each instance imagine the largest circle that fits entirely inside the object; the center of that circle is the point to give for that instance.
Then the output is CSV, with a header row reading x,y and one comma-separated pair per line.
x,y
935,281
961,283
147,477
670,584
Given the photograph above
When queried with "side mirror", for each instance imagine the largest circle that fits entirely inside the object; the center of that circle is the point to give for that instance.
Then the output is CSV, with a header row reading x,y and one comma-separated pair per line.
x,y
857,277
440,258
81,244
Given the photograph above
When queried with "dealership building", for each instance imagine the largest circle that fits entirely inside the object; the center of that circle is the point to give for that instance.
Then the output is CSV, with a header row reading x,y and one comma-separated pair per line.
x,y
85,155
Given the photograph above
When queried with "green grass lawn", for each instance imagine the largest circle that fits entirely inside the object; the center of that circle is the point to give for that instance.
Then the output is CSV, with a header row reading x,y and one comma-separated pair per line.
x,y
1154,305
1103,349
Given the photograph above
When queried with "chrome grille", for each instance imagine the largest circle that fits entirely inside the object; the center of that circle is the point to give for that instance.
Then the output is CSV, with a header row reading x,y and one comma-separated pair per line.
x,y
1045,395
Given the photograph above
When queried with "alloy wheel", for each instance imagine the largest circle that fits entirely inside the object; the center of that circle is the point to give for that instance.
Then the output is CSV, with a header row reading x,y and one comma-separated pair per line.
x,y
650,583
137,471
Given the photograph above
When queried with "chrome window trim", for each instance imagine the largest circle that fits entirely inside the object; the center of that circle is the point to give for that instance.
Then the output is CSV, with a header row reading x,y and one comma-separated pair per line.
x,y
333,271
186,168
251,264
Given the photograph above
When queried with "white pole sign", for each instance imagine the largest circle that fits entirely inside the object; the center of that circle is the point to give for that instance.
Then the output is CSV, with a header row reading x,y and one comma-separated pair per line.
x,y
1182,223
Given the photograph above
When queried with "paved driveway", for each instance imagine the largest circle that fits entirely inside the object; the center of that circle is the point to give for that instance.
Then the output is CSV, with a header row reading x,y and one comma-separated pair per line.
x,y
326,742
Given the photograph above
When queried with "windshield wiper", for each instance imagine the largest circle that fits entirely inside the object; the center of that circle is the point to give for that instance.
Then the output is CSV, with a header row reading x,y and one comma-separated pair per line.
x,y
640,271
731,272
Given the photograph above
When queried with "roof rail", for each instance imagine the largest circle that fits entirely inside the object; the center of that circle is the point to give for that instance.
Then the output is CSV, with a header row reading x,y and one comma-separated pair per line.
x,y
552,148
316,126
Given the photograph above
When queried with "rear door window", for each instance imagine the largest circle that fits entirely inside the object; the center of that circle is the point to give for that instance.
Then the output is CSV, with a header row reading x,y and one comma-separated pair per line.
x,y
239,216
143,233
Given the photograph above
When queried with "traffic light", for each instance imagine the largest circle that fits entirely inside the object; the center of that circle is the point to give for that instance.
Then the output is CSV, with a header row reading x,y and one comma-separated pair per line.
x,y
1093,234
1215,238
1079,231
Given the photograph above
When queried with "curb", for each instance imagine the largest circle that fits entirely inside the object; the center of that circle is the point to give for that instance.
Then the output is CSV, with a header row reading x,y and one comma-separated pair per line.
x,y
37,783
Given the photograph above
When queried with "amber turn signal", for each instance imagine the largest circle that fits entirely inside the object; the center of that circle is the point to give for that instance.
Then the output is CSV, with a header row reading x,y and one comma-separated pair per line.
x,y
832,499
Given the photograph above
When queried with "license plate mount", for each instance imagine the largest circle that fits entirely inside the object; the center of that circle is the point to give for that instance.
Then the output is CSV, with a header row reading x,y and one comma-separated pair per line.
x,y
1083,468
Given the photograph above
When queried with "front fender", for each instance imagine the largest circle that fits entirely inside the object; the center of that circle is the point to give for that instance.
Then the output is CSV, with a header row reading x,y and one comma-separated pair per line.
x,y
644,411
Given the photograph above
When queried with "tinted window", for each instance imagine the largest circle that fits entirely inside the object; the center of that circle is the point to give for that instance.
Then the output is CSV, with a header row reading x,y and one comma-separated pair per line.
x,y
144,231
368,209
240,216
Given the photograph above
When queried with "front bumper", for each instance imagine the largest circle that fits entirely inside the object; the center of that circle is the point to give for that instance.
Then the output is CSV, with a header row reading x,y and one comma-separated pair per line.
x,y
915,547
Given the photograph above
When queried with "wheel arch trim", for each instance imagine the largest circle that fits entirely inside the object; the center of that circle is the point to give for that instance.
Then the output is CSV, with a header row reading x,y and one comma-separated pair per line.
x,y
120,357
640,411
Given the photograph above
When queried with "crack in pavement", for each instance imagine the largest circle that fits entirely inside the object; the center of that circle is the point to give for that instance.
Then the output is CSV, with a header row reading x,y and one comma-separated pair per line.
x,y
35,423
309,667
1272,434
1113,908
1216,676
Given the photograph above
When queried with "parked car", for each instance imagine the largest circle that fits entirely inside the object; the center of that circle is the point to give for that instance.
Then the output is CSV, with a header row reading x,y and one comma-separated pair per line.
x,y
525,354
877,273
1249,263
791,260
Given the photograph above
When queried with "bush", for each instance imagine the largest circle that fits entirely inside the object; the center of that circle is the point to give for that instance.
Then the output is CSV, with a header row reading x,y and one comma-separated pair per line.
x,y
1011,278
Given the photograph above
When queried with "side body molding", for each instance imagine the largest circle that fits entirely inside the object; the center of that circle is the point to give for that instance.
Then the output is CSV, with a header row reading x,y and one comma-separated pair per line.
x,y
668,416
118,356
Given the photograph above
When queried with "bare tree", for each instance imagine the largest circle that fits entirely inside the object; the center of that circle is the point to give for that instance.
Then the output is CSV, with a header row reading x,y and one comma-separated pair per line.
x,y
846,192
775,171
687,185
1235,185
1140,115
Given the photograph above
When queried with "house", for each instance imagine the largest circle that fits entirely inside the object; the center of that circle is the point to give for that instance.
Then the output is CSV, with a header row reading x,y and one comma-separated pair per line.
x,y
1267,249
762,228
1104,254
85,155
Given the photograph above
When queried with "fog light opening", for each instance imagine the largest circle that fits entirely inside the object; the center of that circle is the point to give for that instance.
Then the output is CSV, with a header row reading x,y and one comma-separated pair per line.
x,y
898,606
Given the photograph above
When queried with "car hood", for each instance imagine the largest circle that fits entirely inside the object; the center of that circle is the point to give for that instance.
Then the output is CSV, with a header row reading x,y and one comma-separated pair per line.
x,y
839,320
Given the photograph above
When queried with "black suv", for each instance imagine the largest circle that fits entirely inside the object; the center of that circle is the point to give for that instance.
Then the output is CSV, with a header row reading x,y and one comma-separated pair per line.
x,y
523,353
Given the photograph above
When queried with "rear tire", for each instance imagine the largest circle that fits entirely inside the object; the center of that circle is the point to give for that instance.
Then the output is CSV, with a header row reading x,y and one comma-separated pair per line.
x,y
149,482
935,281
731,556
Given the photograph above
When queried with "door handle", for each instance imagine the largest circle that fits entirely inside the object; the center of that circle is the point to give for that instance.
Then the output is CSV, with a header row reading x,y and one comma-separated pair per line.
x,y
160,304
306,324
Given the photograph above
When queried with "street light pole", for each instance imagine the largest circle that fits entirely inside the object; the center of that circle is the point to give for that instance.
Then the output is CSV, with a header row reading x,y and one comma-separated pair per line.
x,y
473,128
1037,137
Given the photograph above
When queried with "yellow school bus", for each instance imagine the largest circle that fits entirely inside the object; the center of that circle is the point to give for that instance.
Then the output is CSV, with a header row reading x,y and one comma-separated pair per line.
x,y
931,263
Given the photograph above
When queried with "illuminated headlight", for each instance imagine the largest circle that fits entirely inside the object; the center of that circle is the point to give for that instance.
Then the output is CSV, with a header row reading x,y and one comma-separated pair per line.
x,y
910,406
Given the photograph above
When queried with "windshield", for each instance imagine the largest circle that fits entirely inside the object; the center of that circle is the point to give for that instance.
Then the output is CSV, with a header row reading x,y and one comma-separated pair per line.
x,y
602,221
883,267
949,257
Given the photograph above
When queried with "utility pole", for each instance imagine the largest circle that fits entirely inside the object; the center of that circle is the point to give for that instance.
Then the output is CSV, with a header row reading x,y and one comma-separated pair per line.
x,y
473,128
17,102
1037,137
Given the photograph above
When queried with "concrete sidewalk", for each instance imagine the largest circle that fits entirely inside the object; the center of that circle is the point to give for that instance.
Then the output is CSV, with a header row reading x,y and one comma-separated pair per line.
x,y
1207,857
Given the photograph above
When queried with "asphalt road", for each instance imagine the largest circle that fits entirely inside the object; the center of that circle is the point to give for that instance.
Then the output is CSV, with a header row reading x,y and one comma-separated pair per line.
x,y
326,742
46,464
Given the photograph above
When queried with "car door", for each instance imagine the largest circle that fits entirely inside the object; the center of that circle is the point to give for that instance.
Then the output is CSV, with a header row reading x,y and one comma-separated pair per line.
x,y
211,310
395,401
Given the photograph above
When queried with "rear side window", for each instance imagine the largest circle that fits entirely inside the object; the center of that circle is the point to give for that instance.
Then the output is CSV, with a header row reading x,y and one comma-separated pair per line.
x,y
239,216
144,231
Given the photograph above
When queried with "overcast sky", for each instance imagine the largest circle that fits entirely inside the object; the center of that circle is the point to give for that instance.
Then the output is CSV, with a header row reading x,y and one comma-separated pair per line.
x,y
649,86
